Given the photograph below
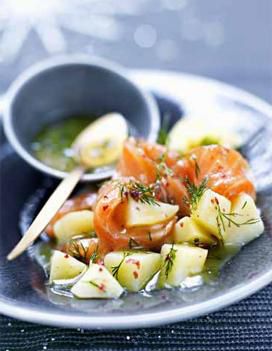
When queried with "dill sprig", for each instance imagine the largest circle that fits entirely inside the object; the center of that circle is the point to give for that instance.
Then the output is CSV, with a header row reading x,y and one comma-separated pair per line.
x,y
169,260
139,192
77,250
223,219
115,269
195,192
94,256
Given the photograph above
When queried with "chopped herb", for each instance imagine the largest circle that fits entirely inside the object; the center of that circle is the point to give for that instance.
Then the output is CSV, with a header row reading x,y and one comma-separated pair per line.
x,y
115,269
94,256
139,192
77,250
244,205
195,192
169,260
94,284
197,168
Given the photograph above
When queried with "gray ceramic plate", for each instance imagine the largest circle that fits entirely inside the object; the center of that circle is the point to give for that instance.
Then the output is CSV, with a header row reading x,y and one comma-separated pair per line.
x,y
23,294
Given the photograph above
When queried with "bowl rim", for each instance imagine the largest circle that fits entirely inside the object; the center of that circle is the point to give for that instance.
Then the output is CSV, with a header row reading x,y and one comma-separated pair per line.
x,y
234,295
61,61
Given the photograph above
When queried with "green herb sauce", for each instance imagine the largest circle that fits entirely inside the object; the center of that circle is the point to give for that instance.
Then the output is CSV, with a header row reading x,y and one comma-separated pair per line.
x,y
52,145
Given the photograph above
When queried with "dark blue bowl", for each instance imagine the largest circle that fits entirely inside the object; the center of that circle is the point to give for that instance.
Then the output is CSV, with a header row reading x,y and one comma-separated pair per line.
x,y
78,85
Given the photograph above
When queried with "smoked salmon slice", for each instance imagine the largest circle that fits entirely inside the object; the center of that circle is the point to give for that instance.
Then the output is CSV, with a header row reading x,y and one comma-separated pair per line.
x,y
110,226
225,170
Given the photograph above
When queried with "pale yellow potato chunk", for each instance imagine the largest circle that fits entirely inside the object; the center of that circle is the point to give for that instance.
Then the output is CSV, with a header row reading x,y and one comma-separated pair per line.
x,y
140,214
188,230
72,224
250,224
64,266
133,270
97,283
179,262
207,212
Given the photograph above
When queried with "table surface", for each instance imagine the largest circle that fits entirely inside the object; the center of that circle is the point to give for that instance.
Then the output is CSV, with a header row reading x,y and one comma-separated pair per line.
x,y
228,40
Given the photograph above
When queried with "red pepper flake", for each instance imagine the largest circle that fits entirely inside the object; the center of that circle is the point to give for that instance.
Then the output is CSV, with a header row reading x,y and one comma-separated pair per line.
x,y
133,261
135,274
181,224
102,287
216,200
106,197
66,256
212,201
105,207
100,269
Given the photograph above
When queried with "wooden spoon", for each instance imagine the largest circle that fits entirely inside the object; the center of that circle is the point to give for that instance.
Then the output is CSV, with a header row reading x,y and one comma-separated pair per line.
x,y
65,188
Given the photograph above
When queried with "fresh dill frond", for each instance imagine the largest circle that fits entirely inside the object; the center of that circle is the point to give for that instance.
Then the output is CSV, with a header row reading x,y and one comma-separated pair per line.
x,y
139,192
115,269
223,219
76,249
195,192
169,260
94,256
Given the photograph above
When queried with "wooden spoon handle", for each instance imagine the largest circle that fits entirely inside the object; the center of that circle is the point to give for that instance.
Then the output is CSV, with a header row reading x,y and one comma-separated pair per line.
x,y
48,211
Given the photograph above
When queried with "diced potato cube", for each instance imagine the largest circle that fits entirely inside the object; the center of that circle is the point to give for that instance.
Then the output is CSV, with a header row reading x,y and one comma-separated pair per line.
x,y
64,266
97,283
187,230
72,224
133,270
207,212
180,262
249,223
140,214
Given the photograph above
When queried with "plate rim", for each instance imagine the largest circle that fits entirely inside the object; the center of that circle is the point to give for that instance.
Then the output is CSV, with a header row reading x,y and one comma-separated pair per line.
x,y
168,316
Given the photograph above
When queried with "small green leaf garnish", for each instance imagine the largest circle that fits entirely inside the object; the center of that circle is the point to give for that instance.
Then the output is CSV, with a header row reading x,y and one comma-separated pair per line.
x,y
169,260
115,269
